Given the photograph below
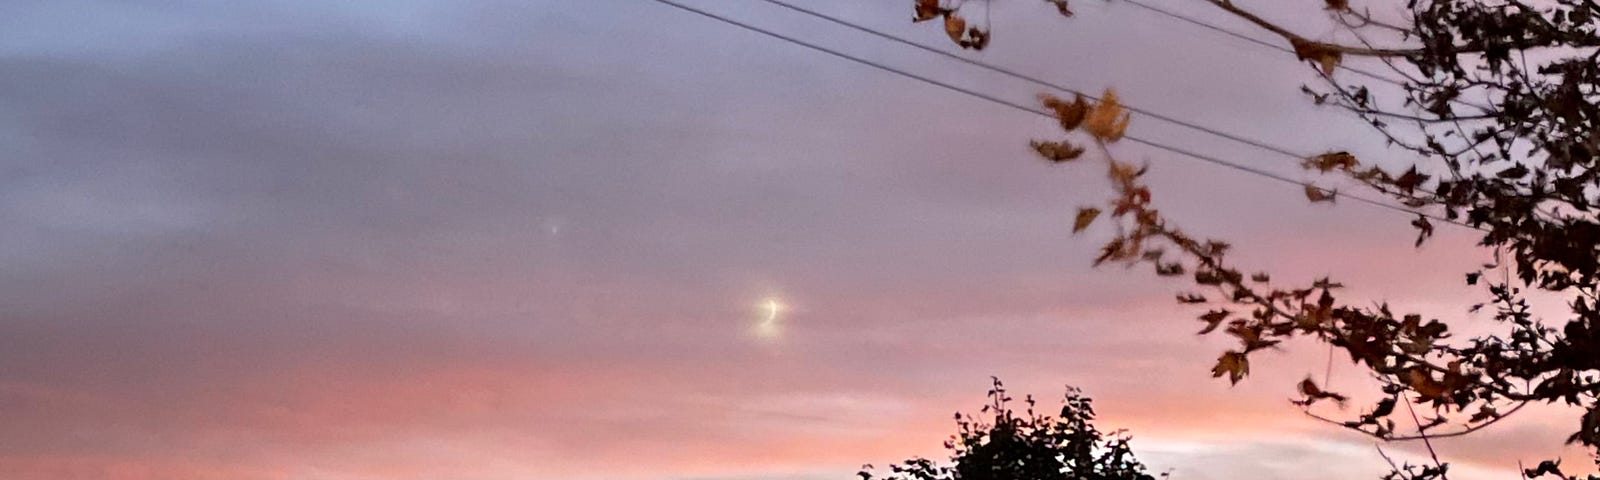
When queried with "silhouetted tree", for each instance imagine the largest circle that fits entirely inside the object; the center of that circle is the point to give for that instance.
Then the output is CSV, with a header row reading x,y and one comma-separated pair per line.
x,y
1000,444
1498,117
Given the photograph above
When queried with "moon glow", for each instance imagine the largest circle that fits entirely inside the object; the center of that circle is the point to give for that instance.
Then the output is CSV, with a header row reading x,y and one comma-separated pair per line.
x,y
771,310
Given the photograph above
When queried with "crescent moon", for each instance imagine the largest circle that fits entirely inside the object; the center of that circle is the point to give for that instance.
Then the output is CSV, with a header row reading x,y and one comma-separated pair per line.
x,y
772,307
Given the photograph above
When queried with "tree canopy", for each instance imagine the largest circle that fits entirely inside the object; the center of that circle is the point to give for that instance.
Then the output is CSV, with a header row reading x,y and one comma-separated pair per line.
x,y
1002,444
1498,124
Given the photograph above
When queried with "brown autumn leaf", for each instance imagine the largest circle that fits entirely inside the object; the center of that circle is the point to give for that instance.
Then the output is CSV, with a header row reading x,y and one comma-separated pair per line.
x,y
1309,388
1057,151
1485,412
977,39
1333,160
1116,249
1061,6
1123,173
1085,217
1051,101
1314,393
1424,384
1107,120
1323,55
1338,5
1071,114
1213,319
1233,364
926,10
955,27
1318,194
1424,229
1409,181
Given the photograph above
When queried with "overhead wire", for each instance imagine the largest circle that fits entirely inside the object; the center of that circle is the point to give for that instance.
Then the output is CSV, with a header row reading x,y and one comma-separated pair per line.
x,y
1281,48
1257,41
1017,106
1031,79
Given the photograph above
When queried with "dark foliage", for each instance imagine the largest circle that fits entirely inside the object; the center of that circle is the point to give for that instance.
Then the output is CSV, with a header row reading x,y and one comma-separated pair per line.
x,y
1001,444
1498,117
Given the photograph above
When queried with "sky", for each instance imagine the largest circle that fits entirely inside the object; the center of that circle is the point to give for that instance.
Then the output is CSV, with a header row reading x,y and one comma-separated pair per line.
x,y
485,239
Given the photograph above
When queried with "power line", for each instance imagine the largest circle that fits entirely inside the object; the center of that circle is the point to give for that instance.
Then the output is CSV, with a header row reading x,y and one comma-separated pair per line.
x,y
1254,40
1037,81
1281,48
1215,28
1034,80
1017,106
1045,83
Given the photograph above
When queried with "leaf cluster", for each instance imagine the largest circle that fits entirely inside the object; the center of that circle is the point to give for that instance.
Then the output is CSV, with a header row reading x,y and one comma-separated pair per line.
x,y
1002,444
1497,128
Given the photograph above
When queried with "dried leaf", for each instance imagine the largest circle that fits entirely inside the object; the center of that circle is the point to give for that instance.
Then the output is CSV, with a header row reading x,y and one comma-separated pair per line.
x,y
1408,181
1071,114
1314,393
1309,388
1384,408
1328,63
1334,160
1424,384
1213,319
1323,55
1516,171
977,39
1107,121
1121,172
1116,249
1233,364
955,27
1484,413
1057,151
1338,5
1061,6
1085,217
1318,194
1424,229
926,10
